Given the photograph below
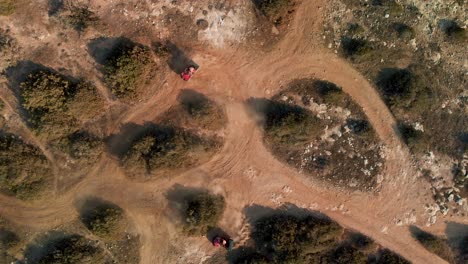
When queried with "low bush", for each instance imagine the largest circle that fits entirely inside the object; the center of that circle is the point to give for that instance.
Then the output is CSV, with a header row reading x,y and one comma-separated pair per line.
x,y
70,249
253,258
274,9
394,82
358,126
452,30
354,46
81,146
288,238
7,7
434,244
103,219
416,140
388,257
80,18
403,31
5,40
56,104
289,124
8,238
165,148
346,254
202,212
125,68
24,170
202,110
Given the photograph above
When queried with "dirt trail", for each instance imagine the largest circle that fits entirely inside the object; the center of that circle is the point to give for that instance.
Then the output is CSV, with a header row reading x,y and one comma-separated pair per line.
x,y
244,171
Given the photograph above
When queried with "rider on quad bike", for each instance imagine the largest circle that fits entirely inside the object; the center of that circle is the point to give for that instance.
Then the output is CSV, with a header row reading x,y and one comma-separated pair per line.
x,y
188,73
224,242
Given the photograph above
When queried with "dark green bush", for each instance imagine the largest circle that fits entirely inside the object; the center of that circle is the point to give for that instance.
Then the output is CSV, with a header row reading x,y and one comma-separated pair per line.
x,y
403,31
354,46
452,30
80,18
394,82
81,146
202,212
358,126
289,124
434,244
103,220
70,250
8,238
346,255
253,258
55,104
165,148
388,257
288,238
24,170
125,68
416,140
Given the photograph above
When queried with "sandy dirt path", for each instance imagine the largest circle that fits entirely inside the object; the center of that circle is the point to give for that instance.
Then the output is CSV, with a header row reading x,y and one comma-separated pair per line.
x,y
244,170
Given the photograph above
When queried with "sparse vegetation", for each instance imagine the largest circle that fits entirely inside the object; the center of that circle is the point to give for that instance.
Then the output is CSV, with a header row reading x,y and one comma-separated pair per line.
x,y
125,68
162,147
24,170
5,40
80,18
7,7
434,244
103,219
275,10
202,212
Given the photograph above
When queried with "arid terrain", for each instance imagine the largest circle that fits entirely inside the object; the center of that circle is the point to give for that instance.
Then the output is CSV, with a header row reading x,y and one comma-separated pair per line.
x,y
351,111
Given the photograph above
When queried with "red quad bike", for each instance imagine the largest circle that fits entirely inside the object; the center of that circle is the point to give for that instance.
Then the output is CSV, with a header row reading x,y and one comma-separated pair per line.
x,y
188,72
223,242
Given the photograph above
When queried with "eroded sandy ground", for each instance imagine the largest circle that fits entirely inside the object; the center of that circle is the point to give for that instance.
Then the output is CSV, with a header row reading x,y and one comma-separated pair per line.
x,y
244,171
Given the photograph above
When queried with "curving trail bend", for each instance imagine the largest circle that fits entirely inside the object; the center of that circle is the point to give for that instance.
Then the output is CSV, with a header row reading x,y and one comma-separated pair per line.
x,y
244,171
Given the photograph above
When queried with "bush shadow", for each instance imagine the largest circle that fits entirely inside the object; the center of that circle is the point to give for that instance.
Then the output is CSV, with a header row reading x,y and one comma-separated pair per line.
x,y
178,60
55,6
457,235
42,246
102,49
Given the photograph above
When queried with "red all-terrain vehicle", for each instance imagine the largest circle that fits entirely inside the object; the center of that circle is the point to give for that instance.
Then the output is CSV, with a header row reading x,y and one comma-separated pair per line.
x,y
188,72
223,242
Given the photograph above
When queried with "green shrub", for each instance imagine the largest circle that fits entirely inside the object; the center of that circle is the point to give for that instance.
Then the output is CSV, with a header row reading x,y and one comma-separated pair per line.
x,y
55,104
80,18
202,110
388,257
165,148
452,30
8,238
354,46
69,250
202,212
7,7
434,244
274,9
24,170
416,140
346,255
103,220
81,146
124,70
403,31
289,124
288,238
358,126
396,86
86,102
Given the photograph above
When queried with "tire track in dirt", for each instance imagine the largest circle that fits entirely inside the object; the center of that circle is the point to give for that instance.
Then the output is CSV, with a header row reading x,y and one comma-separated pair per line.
x,y
244,169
